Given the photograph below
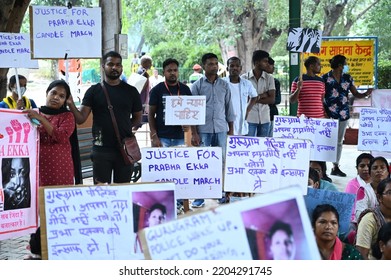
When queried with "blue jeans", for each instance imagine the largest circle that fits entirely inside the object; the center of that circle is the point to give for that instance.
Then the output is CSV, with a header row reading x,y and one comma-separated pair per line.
x,y
168,142
258,129
271,127
214,140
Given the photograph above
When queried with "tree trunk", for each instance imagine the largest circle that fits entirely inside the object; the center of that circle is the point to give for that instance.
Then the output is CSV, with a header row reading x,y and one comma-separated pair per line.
x,y
254,28
331,15
11,18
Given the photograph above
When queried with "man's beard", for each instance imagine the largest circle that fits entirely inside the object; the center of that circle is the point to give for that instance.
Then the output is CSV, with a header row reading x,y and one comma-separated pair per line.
x,y
112,76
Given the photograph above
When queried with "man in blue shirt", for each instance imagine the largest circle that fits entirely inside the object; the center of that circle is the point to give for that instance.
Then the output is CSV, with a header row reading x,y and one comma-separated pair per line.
x,y
219,110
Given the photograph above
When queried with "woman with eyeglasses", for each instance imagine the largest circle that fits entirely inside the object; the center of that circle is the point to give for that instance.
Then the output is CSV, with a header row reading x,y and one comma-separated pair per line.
x,y
372,219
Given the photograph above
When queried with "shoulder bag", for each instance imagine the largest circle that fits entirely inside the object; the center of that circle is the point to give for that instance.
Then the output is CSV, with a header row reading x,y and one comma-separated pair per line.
x,y
128,146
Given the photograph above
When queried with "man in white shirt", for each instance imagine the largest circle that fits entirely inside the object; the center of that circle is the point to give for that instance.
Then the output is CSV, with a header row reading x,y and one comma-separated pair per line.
x,y
259,115
155,79
241,92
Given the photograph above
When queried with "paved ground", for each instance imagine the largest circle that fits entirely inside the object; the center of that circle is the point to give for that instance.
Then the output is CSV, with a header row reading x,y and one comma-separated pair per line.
x,y
15,249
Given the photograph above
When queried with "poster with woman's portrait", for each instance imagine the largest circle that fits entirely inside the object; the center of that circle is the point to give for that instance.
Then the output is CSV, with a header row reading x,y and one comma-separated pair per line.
x,y
18,175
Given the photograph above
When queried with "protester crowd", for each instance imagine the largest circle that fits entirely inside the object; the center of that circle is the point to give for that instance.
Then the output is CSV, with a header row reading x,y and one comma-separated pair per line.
x,y
243,103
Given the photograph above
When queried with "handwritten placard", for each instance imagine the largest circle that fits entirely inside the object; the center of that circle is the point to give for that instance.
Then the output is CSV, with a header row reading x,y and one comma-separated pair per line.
x,y
374,130
323,134
236,231
196,171
15,51
306,40
96,222
185,110
343,202
19,148
57,31
260,165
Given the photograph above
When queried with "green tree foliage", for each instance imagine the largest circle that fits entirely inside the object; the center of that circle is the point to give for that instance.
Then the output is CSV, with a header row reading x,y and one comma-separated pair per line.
x,y
384,74
238,26
377,23
187,56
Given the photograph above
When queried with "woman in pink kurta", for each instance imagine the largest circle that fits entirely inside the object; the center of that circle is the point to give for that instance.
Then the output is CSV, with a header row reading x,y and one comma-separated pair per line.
x,y
56,127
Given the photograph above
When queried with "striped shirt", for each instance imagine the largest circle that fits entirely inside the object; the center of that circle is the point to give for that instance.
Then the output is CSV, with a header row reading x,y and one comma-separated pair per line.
x,y
310,97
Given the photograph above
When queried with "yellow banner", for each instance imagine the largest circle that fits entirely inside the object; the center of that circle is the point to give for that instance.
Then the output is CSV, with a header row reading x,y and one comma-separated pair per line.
x,y
360,58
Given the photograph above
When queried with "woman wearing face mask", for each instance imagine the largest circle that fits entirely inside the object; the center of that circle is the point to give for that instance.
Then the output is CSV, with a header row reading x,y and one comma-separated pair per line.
x,y
13,101
336,100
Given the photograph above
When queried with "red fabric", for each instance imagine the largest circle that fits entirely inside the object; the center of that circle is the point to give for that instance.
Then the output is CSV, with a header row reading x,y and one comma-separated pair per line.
x,y
337,252
55,156
360,194
310,100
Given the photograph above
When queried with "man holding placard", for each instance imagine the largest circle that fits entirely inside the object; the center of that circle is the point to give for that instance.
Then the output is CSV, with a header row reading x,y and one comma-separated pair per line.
x,y
308,90
163,135
126,103
220,114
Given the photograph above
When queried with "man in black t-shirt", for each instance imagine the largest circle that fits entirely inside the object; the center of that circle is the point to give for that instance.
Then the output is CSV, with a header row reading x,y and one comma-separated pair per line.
x,y
125,99
163,135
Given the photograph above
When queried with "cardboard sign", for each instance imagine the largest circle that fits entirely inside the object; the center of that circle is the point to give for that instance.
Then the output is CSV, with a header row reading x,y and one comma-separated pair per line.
x,y
260,165
57,32
185,110
19,174
323,133
196,171
374,130
15,51
101,222
237,231
343,202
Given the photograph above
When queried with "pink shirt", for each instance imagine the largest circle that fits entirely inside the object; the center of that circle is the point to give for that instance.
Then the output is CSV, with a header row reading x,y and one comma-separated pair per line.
x,y
352,187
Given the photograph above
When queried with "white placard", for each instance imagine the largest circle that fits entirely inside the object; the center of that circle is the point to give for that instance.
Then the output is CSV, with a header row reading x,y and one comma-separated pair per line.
x,y
381,98
185,110
261,165
100,222
323,133
196,171
237,231
374,130
15,51
59,31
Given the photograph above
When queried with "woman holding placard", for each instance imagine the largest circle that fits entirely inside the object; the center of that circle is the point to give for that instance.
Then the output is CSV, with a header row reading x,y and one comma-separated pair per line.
x,y
13,101
57,125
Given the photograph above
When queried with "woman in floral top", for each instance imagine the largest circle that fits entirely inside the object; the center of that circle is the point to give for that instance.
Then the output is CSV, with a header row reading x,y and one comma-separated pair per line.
x,y
338,84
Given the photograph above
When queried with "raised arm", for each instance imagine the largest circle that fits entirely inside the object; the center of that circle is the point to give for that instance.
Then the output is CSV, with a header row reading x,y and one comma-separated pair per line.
x,y
81,114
